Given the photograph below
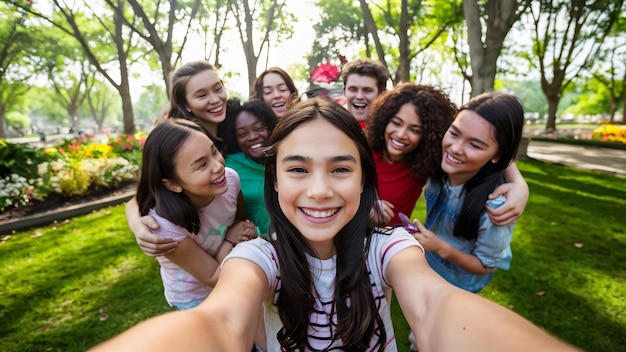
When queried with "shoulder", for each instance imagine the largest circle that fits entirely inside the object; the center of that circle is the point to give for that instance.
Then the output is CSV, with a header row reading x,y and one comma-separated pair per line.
x,y
232,177
259,251
387,242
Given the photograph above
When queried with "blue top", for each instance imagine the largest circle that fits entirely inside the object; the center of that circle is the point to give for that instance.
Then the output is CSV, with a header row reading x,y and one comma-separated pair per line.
x,y
492,246
252,176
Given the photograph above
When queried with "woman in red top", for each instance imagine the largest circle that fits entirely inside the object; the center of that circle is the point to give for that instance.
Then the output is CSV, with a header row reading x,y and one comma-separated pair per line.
x,y
404,130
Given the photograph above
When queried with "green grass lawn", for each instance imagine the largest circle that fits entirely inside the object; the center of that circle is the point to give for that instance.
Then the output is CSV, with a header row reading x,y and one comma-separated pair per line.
x,y
69,286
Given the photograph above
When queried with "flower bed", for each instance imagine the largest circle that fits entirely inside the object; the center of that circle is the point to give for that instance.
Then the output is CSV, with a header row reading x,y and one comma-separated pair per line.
x,y
606,136
73,167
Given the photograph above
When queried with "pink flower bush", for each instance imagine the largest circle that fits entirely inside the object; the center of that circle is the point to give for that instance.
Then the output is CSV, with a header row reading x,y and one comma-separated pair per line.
x,y
325,72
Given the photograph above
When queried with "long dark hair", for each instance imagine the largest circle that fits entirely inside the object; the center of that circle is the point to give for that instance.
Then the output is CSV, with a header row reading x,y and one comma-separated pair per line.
x,y
436,112
157,164
358,322
506,114
227,131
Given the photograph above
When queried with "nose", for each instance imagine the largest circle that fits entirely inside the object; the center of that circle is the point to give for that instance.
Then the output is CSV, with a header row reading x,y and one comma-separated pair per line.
x,y
319,187
214,97
252,135
455,146
216,166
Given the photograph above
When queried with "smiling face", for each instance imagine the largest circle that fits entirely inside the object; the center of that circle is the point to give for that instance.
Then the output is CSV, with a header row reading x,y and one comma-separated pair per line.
x,y
276,94
199,170
252,135
319,182
403,133
206,97
469,143
360,91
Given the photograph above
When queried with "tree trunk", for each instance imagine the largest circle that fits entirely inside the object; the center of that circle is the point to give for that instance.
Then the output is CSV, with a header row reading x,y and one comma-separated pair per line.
x,y
370,26
402,73
553,104
500,17
3,122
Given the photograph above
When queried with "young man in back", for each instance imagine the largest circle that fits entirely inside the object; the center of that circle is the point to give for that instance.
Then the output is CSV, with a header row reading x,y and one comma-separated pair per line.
x,y
363,81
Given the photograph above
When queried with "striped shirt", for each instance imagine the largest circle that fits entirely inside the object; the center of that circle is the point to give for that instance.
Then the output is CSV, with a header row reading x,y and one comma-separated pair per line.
x,y
383,248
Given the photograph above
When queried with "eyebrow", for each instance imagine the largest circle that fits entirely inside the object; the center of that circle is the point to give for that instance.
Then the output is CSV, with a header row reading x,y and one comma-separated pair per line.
x,y
476,140
338,158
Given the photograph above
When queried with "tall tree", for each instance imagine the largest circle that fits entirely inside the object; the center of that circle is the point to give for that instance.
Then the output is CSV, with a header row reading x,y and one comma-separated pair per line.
x,y
566,37
17,45
154,21
265,17
414,25
68,71
97,30
610,68
102,102
212,19
339,28
496,17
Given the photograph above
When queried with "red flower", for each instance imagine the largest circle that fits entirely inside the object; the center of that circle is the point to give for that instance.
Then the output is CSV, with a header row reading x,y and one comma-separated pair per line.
x,y
325,72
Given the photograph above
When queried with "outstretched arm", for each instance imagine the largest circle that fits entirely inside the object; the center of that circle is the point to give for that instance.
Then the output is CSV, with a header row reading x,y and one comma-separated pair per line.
x,y
151,244
447,318
517,192
226,321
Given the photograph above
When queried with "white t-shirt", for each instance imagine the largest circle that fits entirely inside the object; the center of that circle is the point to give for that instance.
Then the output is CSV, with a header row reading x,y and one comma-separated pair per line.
x,y
383,248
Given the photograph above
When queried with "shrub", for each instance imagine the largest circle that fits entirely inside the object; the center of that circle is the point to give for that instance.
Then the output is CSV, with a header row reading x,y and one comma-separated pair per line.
x,y
610,133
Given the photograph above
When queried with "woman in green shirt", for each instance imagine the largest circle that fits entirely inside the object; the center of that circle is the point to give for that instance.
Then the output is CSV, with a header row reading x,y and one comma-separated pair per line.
x,y
245,134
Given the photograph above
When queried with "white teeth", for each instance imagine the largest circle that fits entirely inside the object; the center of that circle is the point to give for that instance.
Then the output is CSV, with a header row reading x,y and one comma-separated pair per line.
x,y
319,214
357,105
397,143
278,105
218,109
220,179
453,159
256,146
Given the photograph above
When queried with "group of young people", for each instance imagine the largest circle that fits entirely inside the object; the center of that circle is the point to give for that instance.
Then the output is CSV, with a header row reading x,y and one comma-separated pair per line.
x,y
324,185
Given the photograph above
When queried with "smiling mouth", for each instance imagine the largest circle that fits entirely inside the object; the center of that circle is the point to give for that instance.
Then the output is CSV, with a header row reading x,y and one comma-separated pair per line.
x,y
216,110
359,105
278,105
219,180
397,143
453,159
256,146
320,214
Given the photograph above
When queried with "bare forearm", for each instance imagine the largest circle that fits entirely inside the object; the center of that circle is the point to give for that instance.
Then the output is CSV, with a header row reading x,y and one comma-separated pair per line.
x,y
478,324
133,218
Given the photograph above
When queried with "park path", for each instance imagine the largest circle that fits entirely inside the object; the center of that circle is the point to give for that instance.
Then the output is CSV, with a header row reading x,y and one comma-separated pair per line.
x,y
607,160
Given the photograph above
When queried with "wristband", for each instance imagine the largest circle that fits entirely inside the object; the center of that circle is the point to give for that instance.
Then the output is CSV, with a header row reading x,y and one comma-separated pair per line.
x,y
231,242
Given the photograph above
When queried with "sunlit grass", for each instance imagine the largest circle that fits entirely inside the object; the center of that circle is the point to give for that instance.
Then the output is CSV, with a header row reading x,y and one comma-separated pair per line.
x,y
73,285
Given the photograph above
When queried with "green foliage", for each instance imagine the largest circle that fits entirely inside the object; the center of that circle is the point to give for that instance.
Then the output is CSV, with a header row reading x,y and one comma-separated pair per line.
x,y
73,167
18,119
75,284
20,159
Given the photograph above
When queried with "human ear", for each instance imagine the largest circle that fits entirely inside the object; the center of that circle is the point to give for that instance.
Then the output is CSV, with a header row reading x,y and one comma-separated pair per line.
x,y
171,185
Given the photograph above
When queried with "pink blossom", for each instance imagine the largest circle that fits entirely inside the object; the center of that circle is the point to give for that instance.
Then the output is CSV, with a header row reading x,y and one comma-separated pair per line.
x,y
325,72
